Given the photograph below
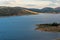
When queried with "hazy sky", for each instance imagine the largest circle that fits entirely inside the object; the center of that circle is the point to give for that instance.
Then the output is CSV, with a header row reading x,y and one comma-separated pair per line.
x,y
31,3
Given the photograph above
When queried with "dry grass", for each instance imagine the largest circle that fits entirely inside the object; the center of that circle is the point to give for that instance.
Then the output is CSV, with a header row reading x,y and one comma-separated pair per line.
x,y
53,29
48,27
57,39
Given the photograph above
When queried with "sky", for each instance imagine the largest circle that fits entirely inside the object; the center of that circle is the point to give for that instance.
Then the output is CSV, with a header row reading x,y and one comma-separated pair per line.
x,y
31,3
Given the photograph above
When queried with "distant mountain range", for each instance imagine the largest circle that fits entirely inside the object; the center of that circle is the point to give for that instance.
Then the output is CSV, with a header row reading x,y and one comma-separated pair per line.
x,y
13,11
46,10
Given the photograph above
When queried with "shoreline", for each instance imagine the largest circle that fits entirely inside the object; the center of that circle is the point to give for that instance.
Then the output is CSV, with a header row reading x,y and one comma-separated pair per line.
x,y
49,27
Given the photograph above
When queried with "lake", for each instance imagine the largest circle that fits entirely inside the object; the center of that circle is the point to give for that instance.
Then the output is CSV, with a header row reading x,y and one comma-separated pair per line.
x,y
23,27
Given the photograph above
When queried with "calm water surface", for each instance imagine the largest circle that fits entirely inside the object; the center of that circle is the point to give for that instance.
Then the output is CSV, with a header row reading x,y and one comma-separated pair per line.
x,y
23,27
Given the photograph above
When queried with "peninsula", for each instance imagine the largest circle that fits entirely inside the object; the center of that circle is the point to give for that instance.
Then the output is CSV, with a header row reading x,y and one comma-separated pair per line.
x,y
54,27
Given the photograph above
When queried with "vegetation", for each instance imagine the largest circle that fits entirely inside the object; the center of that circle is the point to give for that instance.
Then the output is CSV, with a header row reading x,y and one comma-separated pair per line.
x,y
12,11
54,27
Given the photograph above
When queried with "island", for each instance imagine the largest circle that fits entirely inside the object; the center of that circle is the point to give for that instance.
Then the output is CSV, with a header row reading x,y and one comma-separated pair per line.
x,y
52,27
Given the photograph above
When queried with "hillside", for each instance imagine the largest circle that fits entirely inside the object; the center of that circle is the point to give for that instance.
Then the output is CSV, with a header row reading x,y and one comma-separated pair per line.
x,y
15,11
46,10
12,11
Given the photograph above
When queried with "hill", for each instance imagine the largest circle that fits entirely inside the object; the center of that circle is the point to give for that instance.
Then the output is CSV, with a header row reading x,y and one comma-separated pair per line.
x,y
12,11
46,10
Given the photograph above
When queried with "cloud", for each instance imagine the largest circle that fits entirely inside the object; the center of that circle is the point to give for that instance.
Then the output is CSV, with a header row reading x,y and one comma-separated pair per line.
x,y
30,3
39,3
